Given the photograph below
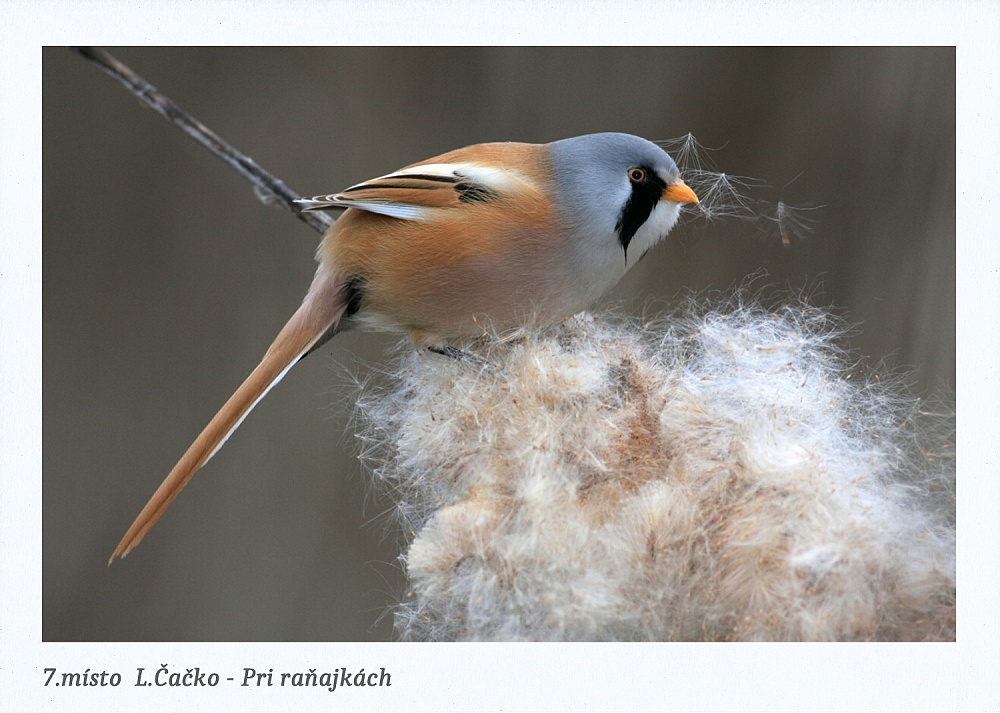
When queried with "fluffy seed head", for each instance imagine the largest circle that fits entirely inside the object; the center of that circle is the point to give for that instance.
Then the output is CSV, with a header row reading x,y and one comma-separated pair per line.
x,y
721,475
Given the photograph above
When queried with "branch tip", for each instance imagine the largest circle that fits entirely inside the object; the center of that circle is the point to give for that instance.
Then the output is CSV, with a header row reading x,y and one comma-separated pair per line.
x,y
264,183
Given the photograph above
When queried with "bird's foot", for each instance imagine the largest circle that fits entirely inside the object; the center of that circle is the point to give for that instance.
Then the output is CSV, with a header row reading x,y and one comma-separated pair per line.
x,y
459,355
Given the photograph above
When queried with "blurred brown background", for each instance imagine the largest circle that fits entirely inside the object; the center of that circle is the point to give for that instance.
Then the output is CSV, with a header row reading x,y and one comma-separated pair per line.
x,y
165,280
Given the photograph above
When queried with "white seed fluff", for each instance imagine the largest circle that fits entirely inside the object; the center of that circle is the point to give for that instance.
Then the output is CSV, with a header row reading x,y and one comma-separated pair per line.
x,y
719,475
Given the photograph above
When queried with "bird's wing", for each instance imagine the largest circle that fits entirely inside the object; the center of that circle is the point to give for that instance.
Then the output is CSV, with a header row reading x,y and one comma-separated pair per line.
x,y
417,192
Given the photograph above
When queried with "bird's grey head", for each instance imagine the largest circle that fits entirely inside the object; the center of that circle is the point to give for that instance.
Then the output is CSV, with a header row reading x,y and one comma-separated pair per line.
x,y
610,184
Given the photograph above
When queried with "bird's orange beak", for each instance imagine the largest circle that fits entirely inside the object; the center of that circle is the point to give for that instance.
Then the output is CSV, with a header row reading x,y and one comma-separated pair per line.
x,y
679,192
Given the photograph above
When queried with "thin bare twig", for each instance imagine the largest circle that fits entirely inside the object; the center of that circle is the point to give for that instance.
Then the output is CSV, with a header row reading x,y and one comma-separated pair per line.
x,y
244,165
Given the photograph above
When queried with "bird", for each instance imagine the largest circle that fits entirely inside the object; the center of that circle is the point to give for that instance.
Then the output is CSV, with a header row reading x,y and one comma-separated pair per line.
x,y
502,234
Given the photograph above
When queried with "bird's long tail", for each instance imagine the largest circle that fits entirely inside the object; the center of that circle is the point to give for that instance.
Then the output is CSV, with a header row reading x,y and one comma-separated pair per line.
x,y
315,321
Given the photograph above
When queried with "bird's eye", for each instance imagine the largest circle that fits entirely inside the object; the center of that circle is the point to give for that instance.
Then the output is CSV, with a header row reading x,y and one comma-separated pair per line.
x,y
637,175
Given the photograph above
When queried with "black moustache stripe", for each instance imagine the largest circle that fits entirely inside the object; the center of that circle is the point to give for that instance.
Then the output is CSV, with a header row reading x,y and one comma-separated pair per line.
x,y
640,204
